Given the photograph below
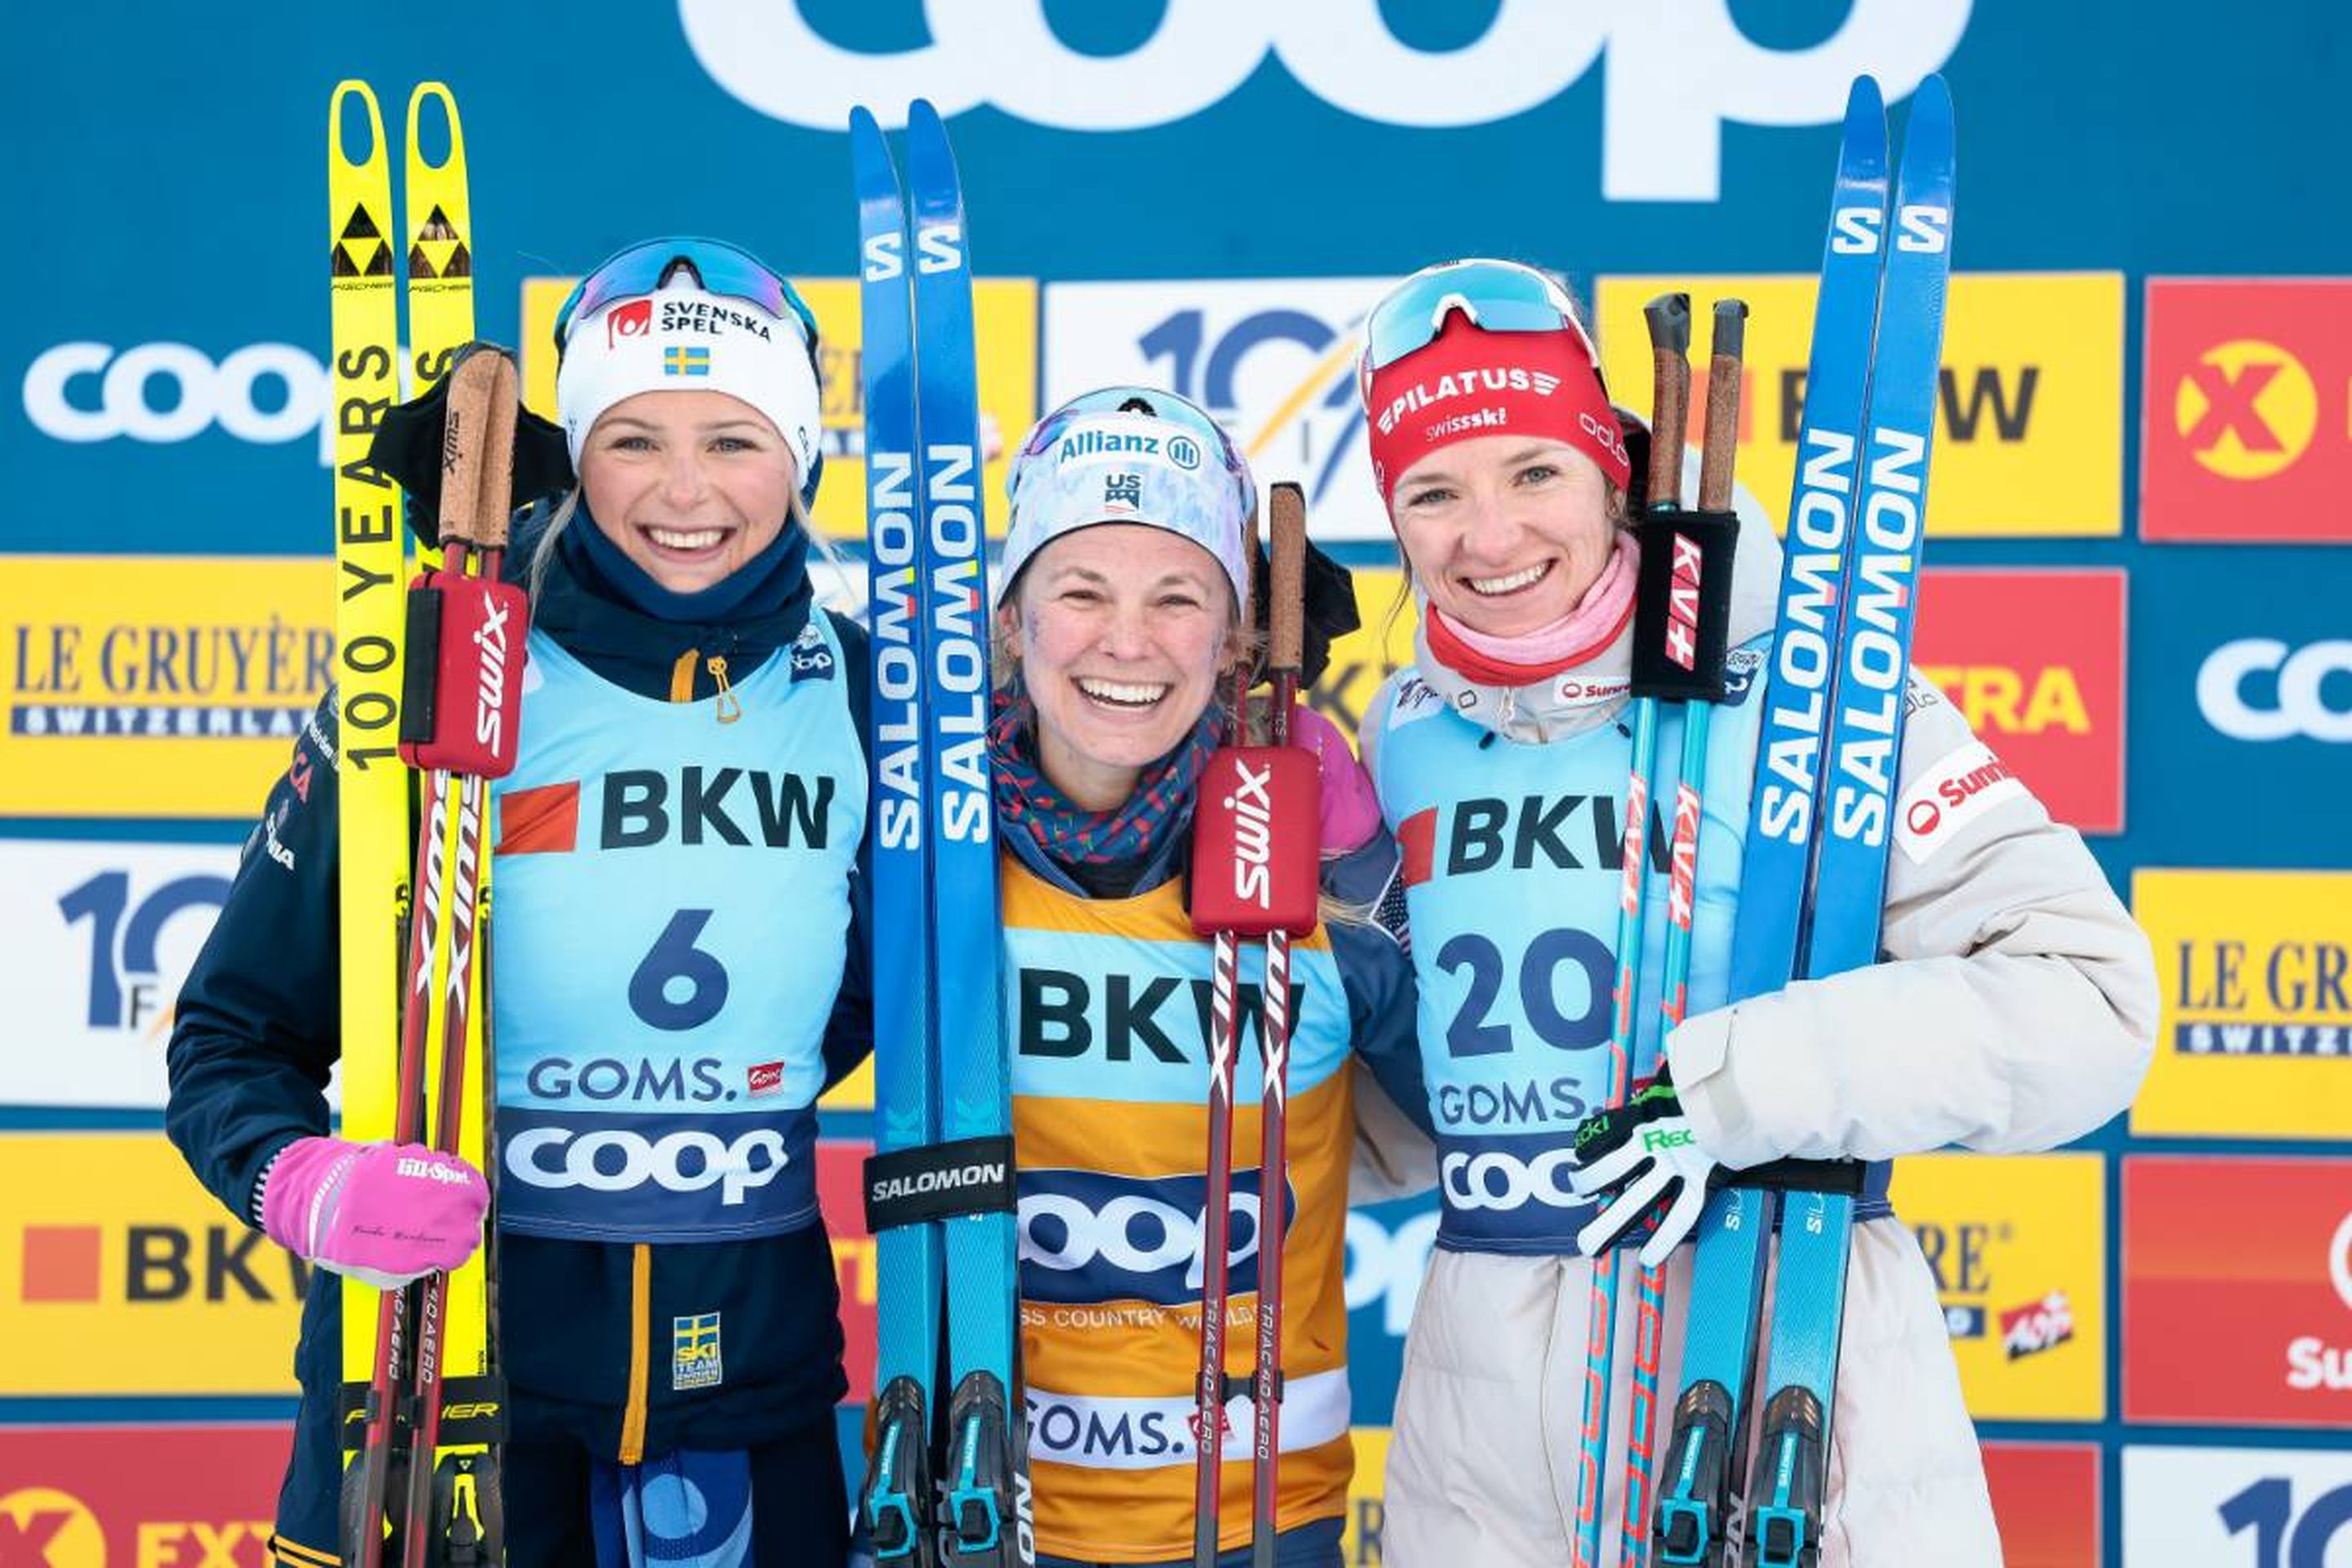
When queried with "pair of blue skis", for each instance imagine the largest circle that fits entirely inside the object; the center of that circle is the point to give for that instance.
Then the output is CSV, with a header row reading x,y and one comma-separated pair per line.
x,y
1814,874
950,1490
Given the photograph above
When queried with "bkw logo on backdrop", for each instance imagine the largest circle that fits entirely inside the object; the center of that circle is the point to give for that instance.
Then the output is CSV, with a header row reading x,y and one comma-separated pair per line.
x,y
1673,78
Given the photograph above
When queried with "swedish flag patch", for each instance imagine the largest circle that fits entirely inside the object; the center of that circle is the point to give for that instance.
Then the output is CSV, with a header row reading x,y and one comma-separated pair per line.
x,y
694,1352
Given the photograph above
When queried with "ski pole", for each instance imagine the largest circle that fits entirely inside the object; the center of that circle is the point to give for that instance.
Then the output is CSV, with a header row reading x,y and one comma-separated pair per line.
x,y
1211,1386
477,482
1285,617
1669,321
1718,448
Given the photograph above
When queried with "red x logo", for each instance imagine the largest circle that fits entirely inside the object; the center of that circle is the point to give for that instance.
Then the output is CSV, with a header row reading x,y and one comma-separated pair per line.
x,y
2229,407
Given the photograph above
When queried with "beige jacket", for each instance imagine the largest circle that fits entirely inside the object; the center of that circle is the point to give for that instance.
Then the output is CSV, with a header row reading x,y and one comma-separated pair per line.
x,y
2015,1010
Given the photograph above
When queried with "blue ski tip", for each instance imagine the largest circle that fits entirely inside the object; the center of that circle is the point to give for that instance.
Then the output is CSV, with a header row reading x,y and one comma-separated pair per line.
x,y
931,159
1930,131
1863,157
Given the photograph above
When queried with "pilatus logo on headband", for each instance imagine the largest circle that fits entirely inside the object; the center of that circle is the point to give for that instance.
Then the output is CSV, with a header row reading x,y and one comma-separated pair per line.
x,y
1466,383
709,319
634,318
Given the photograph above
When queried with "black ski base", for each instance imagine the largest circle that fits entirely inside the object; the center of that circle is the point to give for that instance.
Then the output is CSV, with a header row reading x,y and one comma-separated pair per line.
x,y
1790,1463
1700,1449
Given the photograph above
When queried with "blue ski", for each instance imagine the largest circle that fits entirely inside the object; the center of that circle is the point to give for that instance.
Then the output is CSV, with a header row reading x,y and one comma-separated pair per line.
x,y
909,1258
951,1492
988,1515
1822,733
1865,748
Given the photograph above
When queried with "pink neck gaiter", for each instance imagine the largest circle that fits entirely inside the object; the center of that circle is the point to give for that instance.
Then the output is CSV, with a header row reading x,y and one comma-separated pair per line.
x,y
1595,623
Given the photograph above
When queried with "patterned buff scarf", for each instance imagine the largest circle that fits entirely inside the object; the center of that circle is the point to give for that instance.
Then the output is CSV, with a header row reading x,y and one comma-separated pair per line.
x,y
1026,800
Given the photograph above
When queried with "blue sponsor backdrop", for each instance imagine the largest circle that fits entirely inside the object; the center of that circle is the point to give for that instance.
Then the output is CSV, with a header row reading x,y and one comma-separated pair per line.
x,y
166,175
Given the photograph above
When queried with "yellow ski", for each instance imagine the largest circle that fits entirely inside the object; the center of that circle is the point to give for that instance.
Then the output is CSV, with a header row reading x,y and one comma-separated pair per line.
x,y
376,829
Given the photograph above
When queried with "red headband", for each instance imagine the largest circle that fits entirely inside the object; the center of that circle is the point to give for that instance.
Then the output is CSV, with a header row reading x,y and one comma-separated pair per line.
x,y
1467,382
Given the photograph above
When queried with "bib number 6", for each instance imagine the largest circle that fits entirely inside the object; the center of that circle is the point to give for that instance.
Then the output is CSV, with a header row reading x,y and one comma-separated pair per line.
x,y
678,985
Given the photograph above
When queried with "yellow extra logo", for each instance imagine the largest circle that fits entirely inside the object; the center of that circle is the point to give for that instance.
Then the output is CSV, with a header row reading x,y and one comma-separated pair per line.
x,y
2001,698
2247,409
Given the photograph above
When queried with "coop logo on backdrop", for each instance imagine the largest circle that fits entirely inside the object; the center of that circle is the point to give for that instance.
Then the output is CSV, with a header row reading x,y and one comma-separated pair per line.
x,y
265,394
2260,688
1655,145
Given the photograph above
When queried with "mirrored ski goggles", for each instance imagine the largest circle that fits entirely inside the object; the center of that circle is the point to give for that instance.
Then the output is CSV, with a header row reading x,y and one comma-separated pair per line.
x,y
1158,405
717,267
1495,296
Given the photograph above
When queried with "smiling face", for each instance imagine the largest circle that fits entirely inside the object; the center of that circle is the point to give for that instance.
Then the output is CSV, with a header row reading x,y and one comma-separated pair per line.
x,y
1504,533
1121,630
691,485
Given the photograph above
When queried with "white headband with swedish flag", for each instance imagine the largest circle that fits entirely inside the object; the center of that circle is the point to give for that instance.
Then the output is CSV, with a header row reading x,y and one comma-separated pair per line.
x,y
681,338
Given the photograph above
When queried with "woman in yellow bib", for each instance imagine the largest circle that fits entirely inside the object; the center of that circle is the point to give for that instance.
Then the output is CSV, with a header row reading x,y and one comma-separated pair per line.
x,y
1118,612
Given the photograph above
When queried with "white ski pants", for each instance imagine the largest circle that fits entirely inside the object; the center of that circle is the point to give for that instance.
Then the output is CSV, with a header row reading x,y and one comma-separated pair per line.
x,y
1482,1468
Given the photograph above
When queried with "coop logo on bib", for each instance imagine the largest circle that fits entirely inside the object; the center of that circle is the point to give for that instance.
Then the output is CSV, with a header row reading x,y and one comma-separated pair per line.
x,y
656,1177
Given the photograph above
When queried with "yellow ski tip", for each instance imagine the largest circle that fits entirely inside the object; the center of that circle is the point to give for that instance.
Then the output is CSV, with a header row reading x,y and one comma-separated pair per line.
x,y
435,93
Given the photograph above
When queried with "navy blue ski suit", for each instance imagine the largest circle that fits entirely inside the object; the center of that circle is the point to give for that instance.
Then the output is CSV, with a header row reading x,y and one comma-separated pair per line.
x,y
256,1033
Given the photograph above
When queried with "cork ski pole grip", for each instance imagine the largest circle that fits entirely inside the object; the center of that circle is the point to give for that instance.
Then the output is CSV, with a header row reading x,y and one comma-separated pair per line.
x,y
1720,451
477,452
1669,319
1287,587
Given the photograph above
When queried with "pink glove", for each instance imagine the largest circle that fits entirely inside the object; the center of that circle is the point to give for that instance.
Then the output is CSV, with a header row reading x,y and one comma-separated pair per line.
x,y
1351,812
383,1214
